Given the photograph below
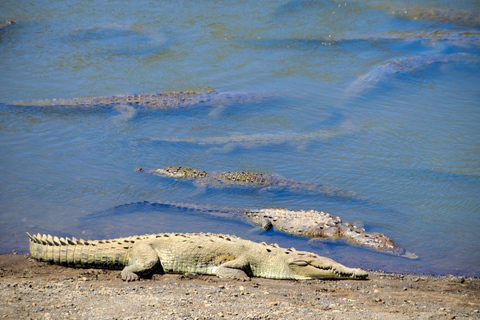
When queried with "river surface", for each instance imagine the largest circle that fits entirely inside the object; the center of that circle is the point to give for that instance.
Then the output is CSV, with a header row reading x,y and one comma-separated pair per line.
x,y
406,138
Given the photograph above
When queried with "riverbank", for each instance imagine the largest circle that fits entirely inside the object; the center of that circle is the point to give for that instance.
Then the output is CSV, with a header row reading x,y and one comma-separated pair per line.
x,y
35,290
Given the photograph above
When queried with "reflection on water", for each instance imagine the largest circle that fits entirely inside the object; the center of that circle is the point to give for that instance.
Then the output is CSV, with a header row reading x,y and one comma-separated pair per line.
x,y
407,138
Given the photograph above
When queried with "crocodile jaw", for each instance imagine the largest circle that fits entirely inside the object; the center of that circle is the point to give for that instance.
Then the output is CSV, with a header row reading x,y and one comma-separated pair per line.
x,y
162,172
316,267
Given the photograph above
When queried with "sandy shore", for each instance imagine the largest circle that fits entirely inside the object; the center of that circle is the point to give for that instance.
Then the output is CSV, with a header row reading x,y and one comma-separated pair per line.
x,y
35,290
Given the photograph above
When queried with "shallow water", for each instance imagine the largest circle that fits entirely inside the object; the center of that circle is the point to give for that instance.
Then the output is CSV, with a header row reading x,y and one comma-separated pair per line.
x,y
409,141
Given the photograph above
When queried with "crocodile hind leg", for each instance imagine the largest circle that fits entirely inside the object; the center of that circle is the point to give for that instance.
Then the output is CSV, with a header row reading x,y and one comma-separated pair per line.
x,y
142,260
234,269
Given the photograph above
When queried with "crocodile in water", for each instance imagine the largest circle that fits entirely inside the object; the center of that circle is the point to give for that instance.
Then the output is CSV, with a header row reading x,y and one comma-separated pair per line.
x,y
252,141
225,256
5,24
403,66
310,224
462,39
153,101
259,181
440,14
259,140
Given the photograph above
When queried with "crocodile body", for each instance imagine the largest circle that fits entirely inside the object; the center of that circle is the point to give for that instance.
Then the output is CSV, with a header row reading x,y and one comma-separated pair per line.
x,y
441,14
462,39
250,180
336,124
152,101
321,225
213,254
403,66
309,224
259,140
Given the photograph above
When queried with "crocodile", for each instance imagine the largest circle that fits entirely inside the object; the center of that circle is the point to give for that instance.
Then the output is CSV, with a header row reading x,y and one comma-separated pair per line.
x,y
261,181
260,140
440,14
256,140
225,256
312,224
321,225
153,101
6,23
403,66
462,39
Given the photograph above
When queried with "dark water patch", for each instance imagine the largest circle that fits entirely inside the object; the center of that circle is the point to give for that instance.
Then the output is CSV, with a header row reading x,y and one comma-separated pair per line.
x,y
61,111
156,207
145,217
118,39
442,176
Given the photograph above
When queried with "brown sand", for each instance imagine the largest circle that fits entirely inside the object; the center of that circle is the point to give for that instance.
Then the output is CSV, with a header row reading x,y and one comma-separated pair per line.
x,y
35,290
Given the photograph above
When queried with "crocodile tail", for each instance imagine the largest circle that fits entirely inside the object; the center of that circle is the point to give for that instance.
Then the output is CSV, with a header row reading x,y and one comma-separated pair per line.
x,y
79,253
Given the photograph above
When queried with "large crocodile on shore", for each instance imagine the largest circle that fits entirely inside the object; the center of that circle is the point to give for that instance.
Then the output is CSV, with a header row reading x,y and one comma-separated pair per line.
x,y
225,256
260,181
312,224
403,66
153,101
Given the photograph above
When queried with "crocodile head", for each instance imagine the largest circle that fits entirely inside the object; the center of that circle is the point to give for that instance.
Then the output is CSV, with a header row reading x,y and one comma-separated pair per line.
x,y
175,172
306,265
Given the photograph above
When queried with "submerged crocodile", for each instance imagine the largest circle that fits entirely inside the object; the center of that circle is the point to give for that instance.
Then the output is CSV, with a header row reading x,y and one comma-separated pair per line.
x,y
5,24
259,181
225,256
309,224
153,101
260,140
462,39
403,66
441,14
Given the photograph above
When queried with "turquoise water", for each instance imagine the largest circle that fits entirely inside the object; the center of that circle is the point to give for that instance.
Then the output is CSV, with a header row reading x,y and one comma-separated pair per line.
x,y
408,139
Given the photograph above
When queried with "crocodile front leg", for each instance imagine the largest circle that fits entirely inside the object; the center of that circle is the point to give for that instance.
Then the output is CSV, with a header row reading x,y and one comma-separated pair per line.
x,y
234,270
142,260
